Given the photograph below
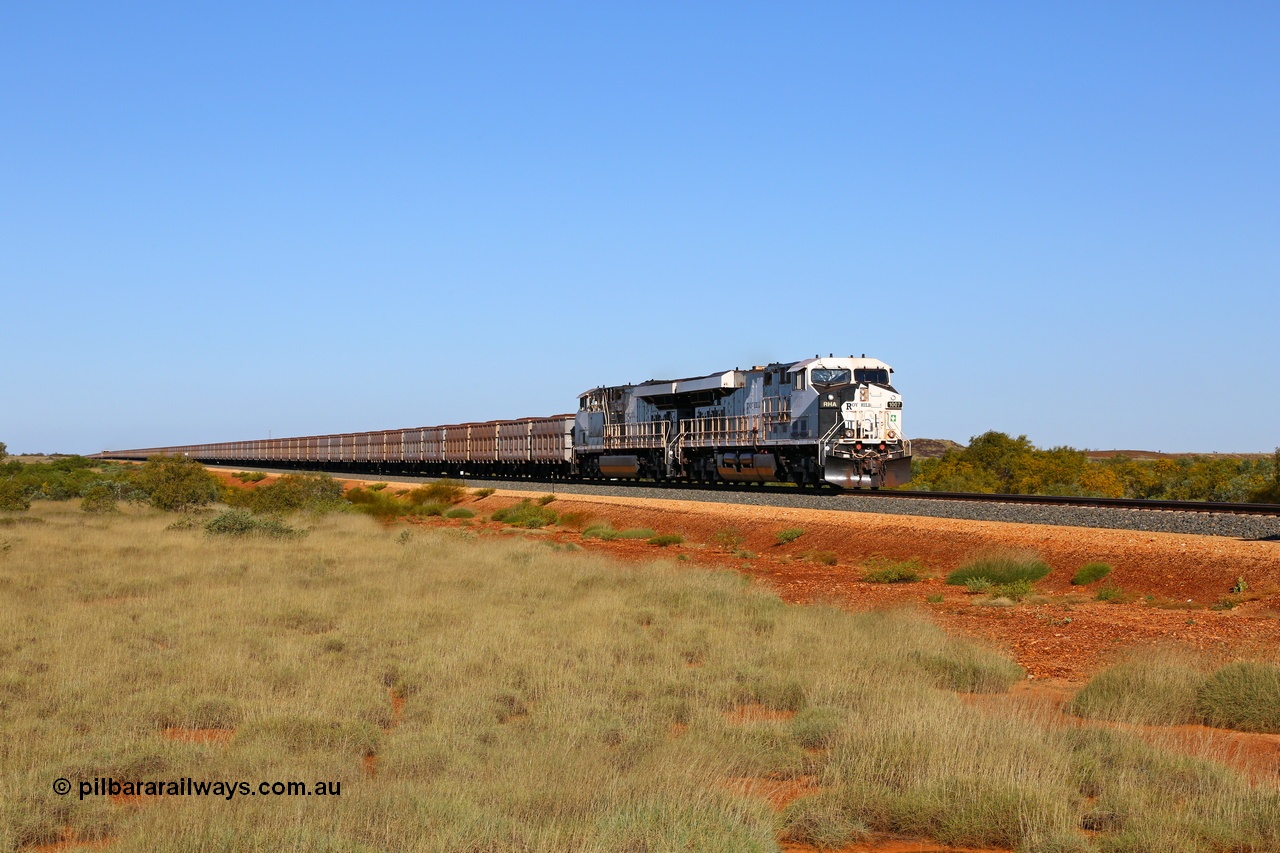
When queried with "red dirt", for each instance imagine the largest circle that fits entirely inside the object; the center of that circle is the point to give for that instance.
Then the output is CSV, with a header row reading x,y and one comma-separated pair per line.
x,y
779,792
757,713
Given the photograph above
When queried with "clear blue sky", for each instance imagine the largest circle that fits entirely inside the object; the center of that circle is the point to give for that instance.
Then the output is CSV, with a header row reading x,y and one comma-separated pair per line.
x,y
223,220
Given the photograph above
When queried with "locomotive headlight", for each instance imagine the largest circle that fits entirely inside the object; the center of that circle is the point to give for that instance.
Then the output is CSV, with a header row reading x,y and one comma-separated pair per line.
x,y
848,433
831,396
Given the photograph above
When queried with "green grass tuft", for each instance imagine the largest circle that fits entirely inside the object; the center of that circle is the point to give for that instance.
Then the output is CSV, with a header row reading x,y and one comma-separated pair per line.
x,y
1090,573
666,539
1001,567
1243,696
526,514
881,570
791,534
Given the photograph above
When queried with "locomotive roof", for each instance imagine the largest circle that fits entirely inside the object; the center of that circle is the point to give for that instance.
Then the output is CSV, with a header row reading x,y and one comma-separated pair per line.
x,y
655,386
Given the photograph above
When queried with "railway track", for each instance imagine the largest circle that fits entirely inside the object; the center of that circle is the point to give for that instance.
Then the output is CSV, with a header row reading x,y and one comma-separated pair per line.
x,y
1247,521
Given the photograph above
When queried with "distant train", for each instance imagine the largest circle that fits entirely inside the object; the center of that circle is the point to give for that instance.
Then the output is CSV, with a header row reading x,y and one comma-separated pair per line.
x,y
821,420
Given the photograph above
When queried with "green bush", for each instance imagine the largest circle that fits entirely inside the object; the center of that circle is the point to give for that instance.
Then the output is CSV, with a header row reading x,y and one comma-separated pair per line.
x,y
1015,590
880,570
730,539
316,493
176,483
249,476
13,497
241,522
99,498
525,514
1243,696
665,539
483,493
546,499
1089,573
381,505
606,533
1001,567
791,534
459,512
444,491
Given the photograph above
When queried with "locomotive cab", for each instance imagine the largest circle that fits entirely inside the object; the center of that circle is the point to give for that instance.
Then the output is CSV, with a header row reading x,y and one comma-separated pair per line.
x,y
859,417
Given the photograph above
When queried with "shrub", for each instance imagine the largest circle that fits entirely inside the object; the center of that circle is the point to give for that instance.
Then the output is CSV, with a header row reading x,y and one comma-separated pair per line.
x,y
444,491
249,476
825,558
1111,593
480,494
880,570
666,539
377,487
1089,573
1243,696
546,499
459,512
431,510
177,483
99,498
1013,591
606,533
728,540
791,534
294,492
381,505
13,497
241,522
525,514
977,585
1001,567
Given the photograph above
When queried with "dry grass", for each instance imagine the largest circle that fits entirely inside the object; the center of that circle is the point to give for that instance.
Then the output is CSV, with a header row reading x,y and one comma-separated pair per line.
x,y
541,691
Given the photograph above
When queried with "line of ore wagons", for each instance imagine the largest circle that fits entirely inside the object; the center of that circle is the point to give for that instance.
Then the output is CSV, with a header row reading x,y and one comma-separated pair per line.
x,y
497,445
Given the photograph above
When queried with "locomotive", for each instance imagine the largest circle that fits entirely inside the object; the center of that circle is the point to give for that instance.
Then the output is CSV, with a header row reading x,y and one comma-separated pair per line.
x,y
831,420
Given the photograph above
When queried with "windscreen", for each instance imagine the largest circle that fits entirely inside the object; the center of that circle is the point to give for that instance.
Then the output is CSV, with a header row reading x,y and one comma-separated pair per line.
x,y
873,375
828,376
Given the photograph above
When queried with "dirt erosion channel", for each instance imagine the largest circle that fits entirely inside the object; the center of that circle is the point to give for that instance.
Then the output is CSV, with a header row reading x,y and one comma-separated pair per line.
x,y
1216,595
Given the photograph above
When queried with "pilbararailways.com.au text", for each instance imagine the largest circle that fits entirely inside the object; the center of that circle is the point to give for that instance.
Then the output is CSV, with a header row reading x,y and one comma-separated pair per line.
x,y
109,787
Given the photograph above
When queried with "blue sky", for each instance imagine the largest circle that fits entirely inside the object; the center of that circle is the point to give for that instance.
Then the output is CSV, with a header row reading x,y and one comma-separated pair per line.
x,y
223,221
